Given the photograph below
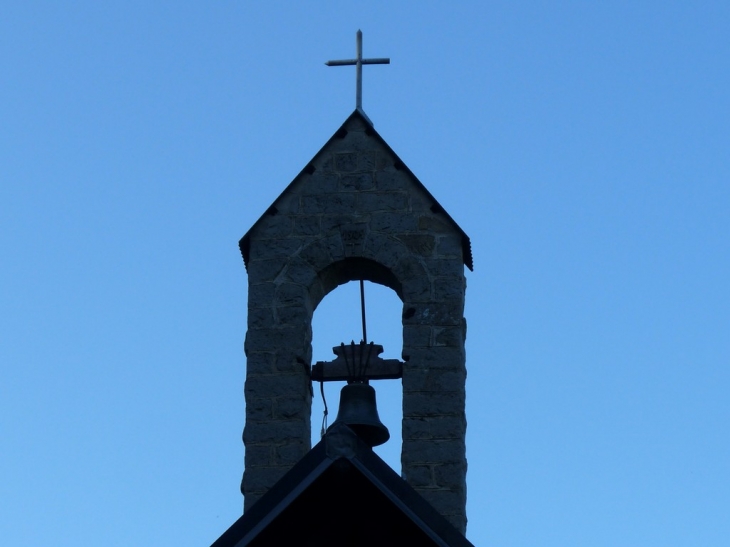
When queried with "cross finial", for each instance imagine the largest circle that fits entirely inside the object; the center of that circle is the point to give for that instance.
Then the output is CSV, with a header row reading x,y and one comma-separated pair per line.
x,y
358,62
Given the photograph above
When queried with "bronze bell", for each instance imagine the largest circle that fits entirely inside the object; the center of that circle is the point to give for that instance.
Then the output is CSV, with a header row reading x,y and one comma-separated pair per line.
x,y
359,412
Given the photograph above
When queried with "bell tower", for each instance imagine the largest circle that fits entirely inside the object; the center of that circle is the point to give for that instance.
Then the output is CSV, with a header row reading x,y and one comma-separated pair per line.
x,y
356,212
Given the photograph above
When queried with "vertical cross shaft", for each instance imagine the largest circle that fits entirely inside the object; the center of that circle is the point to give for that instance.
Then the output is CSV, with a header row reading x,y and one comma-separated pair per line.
x,y
358,88
358,62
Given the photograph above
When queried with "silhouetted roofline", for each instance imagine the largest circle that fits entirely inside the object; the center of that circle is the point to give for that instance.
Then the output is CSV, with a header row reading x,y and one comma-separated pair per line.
x,y
342,446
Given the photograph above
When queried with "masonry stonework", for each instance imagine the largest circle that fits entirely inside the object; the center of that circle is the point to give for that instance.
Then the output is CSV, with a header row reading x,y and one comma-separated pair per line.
x,y
356,212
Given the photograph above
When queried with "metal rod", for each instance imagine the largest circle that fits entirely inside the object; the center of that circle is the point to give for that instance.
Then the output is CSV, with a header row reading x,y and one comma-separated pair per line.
x,y
346,62
358,98
362,307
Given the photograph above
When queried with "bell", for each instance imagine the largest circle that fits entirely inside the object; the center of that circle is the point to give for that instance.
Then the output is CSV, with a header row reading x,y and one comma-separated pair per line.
x,y
359,412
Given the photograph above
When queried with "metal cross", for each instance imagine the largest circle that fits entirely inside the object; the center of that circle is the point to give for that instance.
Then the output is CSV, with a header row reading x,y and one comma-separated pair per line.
x,y
358,62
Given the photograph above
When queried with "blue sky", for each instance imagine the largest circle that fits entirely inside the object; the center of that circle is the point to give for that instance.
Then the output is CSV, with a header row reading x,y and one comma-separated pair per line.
x,y
583,146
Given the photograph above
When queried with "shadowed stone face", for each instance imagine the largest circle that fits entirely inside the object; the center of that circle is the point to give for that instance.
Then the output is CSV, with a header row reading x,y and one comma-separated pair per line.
x,y
357,213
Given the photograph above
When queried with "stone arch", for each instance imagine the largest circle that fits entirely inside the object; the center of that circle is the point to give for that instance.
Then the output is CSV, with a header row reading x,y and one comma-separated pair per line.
x,y
356,268
283,294
357,212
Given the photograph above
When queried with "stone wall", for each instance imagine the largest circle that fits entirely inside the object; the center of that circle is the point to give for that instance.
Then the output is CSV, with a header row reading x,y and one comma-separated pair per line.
x,y
357,212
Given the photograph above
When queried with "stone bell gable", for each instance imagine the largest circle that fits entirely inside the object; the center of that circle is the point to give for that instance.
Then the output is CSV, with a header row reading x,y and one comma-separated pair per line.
x,y
357,212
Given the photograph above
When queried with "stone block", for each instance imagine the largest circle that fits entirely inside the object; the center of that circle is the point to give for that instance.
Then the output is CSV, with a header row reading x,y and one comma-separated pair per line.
x,y
286,408
390,179
288,202
356,182
382,201
458,520
258,408
356,125
261,318
249,498
434,356
260,479
393,223
260,295
277,385
433,403
274,339
417,335
446,500
346,162
449,246
317,292
307,225
260,362
450,475
335,247
290,453
451,379
290,294
449,336
325,162
449,288
419,202
417,289
329,203
451,504
354,142
293,316
434,428
275,226
322,183
275,432
445,267
265,270
299,272
419,244
419,476
317,254
293,360
259,455
409,267
332,223
384,249
423,452
353,237
263,249
372,160
436,313
434,224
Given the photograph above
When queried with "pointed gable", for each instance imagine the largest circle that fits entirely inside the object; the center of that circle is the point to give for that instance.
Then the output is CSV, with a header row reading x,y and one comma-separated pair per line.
x,y
356,178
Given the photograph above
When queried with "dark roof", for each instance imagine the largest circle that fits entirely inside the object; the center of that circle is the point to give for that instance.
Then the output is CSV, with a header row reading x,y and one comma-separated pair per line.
x,y
341,493
435,207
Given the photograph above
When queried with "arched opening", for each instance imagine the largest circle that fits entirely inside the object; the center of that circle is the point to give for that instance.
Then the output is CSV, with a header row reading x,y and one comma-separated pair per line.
x,y
336,320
